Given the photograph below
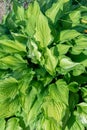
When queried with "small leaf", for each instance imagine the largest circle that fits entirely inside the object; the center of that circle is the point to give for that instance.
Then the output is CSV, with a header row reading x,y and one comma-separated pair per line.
x,y
75,17
78,70
73,87
84,93
63,49
33,52
19,11
13,124
50,61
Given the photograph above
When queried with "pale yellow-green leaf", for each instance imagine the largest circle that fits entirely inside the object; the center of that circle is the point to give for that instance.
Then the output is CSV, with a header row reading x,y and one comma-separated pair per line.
x,y
43,31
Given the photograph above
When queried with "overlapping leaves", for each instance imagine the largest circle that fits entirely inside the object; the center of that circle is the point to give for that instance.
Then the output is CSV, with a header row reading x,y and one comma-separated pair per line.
x,y
43,62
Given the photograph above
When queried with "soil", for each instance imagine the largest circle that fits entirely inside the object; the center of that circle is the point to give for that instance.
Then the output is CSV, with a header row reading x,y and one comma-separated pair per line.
x,y
2,10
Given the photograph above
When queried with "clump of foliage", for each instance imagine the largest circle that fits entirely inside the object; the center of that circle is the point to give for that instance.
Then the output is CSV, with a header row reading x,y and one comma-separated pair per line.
x,y
43,67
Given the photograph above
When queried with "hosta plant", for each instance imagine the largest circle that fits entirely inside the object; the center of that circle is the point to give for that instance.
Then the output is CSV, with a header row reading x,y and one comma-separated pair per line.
x,y
43,66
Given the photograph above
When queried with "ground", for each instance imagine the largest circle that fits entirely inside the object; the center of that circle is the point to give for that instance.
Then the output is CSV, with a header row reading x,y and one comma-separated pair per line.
x,y
2,10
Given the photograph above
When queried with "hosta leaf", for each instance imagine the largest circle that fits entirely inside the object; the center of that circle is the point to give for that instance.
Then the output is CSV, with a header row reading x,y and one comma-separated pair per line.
x,y
9,46
2,30
50,61
54,110
67,64
30,26
8,88
63,48
29,99
33,52
35,111
54,12
62,94
67,35
9,107
82,111
78,70
73,87
13,124
74,124
82,107
66,6
25,79
55,90
12,62
45,4
50,124
73,100
34,100
84,62
34,9
21,38
75,17
2,124
84,93
80,46
43,32
19,11
10,22
27,103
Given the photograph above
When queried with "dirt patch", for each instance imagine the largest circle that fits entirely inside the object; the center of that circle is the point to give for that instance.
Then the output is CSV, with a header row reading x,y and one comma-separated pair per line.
x,y
2,10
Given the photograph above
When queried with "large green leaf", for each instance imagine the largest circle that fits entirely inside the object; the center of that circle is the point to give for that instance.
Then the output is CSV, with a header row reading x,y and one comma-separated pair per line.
x,y
67,35
35,110
31,19
14,62
54,12
8,88
63,96
48,124
43,32
33,8
54,110
31,104
10,46
9,107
